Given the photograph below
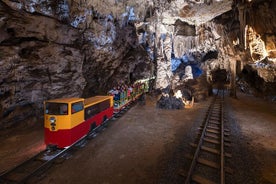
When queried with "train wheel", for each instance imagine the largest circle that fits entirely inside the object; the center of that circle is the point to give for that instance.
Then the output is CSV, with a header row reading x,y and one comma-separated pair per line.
x,y
92,134
51,148
92,126
105,120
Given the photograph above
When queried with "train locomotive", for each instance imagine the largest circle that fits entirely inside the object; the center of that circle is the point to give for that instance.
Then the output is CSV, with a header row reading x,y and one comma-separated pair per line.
x,y
68,120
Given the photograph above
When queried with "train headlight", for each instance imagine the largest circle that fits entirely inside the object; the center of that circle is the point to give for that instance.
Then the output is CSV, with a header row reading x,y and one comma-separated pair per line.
x,y
52,119
53,123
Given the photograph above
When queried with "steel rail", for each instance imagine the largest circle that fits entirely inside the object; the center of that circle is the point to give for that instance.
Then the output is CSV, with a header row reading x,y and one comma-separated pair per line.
x,y
222,173
212,108
193,164
4,176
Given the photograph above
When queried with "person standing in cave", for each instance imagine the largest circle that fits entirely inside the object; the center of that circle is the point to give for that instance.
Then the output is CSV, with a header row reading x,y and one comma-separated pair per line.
x,y
142,99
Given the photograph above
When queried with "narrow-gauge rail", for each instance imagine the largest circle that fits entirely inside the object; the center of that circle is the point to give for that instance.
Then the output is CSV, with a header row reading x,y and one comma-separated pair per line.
x,y
43,160
27,169
208,161
69,121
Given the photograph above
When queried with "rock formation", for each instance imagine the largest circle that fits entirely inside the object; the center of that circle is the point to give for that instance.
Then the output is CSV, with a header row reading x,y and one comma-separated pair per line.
x,y
54,49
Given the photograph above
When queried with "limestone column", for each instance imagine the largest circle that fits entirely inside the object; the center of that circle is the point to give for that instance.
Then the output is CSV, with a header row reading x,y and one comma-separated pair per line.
x,y
163,58
233,68
164,73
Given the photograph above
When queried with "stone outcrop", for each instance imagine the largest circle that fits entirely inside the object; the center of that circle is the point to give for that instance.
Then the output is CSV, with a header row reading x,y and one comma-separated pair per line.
x,y
54,49
196,42
170,102
224,40
62,49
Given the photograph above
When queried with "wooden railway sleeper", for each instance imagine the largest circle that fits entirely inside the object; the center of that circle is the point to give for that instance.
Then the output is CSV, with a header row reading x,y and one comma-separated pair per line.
x,y
213,165
211,150
212,131
214,122
213,127
216,142
215,130
215,115
200,179
216,136
210,127
209,163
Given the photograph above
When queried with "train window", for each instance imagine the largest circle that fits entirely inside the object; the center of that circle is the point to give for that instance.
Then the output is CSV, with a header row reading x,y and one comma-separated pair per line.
x,y
96,109
92,111
56,108
104,105
76,107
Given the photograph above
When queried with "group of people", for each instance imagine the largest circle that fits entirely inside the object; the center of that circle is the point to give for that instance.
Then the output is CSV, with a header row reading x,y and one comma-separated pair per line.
x,y
123,93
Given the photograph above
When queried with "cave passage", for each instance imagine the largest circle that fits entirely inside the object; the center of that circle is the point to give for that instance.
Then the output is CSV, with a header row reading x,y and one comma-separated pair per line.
x,y
220,76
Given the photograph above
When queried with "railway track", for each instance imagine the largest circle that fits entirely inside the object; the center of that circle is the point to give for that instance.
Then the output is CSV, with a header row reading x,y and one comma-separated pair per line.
x,y
39,163
208,162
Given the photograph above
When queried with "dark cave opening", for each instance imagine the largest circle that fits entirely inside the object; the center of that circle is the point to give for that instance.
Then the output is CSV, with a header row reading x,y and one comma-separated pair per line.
x,y
184,29
213,54
220,76
249,80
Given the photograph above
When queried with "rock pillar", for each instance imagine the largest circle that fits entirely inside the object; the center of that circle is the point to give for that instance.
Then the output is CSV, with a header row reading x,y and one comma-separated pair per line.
x,y
233,69
164,73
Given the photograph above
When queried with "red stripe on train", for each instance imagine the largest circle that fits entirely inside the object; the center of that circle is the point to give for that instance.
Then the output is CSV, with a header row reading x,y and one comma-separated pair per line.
x,y
66,137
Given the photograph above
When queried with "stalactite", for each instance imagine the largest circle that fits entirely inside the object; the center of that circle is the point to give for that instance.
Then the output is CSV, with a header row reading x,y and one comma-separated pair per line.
x,y
242,19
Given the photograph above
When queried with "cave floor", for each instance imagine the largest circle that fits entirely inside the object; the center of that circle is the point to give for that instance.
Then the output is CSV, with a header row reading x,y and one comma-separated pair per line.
x,y
147,145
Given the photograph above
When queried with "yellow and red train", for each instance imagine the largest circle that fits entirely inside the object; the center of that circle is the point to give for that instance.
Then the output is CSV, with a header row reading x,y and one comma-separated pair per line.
x,y
68,120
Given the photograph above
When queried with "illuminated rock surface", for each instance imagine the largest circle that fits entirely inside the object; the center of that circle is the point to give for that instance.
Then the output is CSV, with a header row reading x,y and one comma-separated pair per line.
x,y
52,49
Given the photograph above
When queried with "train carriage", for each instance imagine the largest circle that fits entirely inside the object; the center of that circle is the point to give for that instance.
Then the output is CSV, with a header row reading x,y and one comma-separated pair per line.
x,y
98,109
69,119
122,97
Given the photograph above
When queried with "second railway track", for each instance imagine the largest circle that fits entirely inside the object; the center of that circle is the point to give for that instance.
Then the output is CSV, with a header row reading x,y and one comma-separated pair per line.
x,y
208,164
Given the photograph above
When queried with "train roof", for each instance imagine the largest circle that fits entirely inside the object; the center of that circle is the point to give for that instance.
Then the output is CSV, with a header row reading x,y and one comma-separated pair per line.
x,y
96,99
65,100
144,80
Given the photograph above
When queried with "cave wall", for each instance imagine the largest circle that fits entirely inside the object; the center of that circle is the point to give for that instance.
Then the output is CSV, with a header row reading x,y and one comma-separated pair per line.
x,y
196,40
257,40
241,33
40,58
56,49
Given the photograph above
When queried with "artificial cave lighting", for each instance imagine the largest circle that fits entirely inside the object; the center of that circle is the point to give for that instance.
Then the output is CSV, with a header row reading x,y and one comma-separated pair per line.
x,y
256,44
236,42
178,94
188,103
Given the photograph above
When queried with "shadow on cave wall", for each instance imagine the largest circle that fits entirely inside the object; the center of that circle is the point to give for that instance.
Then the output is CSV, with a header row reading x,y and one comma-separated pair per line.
x,y
14,116
250,82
